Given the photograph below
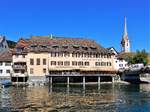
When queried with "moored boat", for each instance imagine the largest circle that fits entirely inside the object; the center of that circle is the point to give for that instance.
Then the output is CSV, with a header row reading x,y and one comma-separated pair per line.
x,y
5,83
145,77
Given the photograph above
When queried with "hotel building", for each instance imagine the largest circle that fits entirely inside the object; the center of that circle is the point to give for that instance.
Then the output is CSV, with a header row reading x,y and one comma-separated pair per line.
x,y
40,57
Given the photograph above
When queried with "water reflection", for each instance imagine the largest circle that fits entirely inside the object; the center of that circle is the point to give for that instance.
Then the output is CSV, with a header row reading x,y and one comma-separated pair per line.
x,y
74,98
145,88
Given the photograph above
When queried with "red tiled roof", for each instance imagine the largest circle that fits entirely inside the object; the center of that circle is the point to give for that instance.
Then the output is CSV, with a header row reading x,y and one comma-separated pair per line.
x,y
123,55
6,56
22,43
47,44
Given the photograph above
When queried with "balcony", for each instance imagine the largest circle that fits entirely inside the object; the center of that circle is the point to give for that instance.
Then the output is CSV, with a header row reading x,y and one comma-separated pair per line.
x,y
19,74
19,67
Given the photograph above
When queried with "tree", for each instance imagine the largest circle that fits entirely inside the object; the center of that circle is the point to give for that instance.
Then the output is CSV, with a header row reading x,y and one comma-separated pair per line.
x,y
139,57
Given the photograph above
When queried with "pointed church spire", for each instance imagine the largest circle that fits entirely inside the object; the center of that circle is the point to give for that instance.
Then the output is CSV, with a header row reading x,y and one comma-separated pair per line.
x,y
125,43
125,28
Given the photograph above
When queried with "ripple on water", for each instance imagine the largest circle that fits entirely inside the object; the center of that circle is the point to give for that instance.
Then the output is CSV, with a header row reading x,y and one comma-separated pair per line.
x,y
109,98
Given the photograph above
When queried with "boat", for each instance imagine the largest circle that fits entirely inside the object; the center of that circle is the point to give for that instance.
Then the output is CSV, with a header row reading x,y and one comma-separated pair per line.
x,y
136,74
5,83
145,77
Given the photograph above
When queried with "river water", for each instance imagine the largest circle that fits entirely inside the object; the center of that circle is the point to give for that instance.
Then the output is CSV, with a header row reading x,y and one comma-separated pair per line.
x,y
106,98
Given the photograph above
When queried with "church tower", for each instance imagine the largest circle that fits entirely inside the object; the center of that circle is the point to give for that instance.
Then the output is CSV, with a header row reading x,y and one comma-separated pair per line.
x,y
125,43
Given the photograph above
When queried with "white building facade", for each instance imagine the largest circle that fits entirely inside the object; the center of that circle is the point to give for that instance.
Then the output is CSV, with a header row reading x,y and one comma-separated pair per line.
x,y
119,64
5,69
5,65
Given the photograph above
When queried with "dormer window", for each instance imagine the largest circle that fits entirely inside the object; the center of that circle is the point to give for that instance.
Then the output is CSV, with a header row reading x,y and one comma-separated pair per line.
x,y
43,46
55,46
65,46
85,47
76,46
33,46
93,47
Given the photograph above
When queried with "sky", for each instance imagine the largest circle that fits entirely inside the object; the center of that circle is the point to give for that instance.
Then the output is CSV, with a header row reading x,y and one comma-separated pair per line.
x,y
99,20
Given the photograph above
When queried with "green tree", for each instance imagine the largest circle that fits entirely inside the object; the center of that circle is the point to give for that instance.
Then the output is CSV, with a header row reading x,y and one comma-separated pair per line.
x,y
139,57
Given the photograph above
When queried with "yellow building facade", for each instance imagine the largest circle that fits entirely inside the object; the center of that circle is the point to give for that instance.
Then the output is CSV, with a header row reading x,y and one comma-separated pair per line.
x,y
45,56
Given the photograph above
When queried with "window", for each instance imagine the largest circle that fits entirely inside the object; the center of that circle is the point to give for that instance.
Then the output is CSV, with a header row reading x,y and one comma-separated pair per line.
x,y
74,54
86,63
65,46
31,71
107,56
78,55
44,70
82,55
31,61
23,56
1,63
120,65
53,54
108,63
60,63
56,54
60,54
94,55
74,63
80,63
7,64
1,71
84,47
43,46
88,55
102,56
66,54
91,55
33,46
38,61
53,62
97,55
7,71
44,61
103,63
66,63
97,64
